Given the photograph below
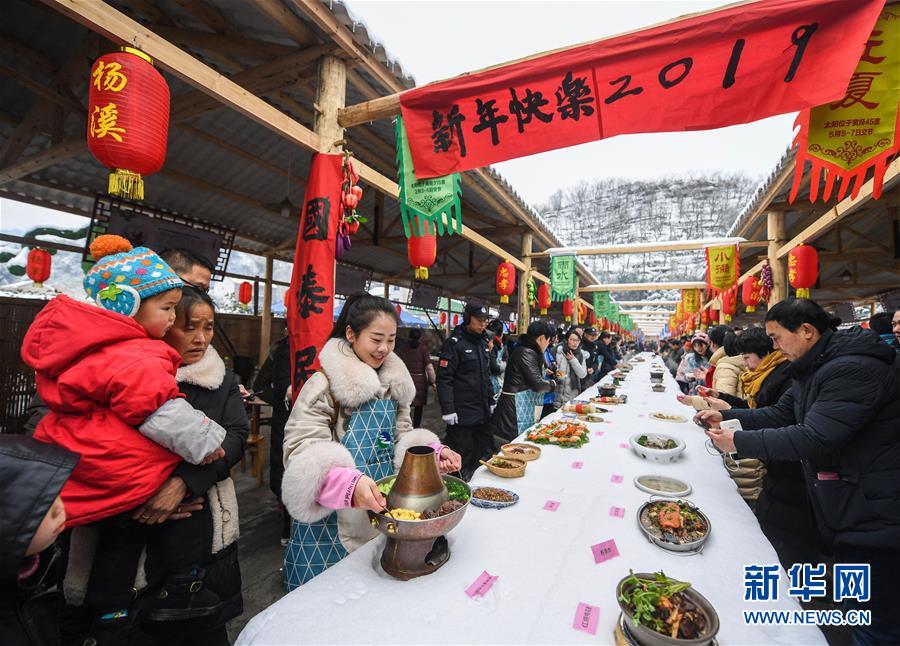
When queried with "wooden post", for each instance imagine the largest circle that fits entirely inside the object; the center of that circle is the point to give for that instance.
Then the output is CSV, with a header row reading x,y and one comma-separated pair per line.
x,y
378,219
256,296
331,93
265,334
777,237
387,291
524,304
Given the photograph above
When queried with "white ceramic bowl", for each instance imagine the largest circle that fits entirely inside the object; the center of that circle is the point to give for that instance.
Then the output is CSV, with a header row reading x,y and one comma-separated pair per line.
x,y
657,455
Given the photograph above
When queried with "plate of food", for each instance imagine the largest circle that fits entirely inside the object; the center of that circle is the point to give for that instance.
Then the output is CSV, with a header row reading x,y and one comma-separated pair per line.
x,y
658,610
564,433
674,525
659,388
662,486
525,452
505,467
666,417
607,390
605,399
493,497
657,447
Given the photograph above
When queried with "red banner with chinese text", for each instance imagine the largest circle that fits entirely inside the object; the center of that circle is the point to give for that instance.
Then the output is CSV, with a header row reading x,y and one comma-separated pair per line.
x,y
726,67
858,132
309,302
722,267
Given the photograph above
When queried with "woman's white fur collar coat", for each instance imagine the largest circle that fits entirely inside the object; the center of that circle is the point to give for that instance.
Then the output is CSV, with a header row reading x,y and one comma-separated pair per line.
x,y
207,373
353,382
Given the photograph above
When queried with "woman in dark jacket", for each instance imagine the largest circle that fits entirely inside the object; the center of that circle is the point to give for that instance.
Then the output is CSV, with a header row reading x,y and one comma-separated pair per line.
x,y
31,476
212,388
417,358
524,383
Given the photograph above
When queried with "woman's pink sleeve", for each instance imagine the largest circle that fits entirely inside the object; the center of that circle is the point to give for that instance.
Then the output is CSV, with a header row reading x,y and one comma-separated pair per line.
x,y
337,488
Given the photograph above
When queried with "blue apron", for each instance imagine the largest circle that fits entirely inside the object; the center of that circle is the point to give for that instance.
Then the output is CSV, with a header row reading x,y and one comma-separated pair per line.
x,y
526,402
314,547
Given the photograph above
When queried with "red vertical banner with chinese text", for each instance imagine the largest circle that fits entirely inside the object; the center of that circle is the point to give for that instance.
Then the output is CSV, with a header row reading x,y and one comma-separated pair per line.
x,y
735,65
309,302
858,132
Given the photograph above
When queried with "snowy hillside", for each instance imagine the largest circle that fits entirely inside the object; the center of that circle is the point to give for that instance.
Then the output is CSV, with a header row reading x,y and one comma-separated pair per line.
x,y
617,211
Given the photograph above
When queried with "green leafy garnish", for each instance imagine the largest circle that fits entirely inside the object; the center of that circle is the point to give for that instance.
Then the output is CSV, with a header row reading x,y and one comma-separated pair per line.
x,y
456,490
644,597
385,487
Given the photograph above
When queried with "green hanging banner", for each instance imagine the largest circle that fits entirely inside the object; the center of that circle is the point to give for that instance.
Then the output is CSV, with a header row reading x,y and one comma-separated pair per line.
x,y
437,200
562,277
601,304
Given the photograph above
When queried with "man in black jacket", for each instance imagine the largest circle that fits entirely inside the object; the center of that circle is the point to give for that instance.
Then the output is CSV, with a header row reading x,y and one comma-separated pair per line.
x,y
590,344
841,420
606,360
464,387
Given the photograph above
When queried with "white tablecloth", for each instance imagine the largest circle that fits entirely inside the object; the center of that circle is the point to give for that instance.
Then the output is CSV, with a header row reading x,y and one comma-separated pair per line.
x,y
543,558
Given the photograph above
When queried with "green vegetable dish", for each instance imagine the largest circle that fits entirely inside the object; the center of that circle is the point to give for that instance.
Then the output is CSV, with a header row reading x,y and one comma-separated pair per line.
x,y
657,443
456,490
659,604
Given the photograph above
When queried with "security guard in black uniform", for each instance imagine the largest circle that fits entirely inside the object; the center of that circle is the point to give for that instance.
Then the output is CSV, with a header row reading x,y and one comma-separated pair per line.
x,y
464,388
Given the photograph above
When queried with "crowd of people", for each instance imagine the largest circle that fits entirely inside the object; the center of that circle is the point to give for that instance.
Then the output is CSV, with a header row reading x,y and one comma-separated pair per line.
x,y
817,451
121,520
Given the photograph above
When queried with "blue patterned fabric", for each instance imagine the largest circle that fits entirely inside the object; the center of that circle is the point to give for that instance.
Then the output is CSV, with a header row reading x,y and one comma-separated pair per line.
x,y
496,384
526,401
314,547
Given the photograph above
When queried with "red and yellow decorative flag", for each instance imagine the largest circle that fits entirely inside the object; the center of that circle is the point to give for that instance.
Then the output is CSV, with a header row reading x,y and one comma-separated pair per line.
x,y
722,266
845,138
691,300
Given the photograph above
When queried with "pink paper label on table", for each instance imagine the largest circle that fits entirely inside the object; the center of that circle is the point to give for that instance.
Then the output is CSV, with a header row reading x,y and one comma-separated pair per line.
x,y
577,465
618,512
624,445
607,422
586,617
598,433
551,505
605,551
616,478
641,415
481,585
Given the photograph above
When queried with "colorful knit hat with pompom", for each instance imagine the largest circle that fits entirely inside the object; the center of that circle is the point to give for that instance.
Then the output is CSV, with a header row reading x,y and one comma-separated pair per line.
x,y
124,276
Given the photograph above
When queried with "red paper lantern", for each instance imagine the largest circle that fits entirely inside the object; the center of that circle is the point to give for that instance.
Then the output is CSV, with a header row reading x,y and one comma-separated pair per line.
x,y
568,308
803,269
398,309
443,318
245,293
38,266
506,280
422,250
455,320
729,303
592,318
128,119
750,293
543,294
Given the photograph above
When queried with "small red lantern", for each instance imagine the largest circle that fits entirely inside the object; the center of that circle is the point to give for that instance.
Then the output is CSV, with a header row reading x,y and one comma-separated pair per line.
x,y
455,320
38,266
750,293
704,318
592,318
543,294
568,308
803,269
443,318
422,250
506,280
729,303
398,309
128,119
245,293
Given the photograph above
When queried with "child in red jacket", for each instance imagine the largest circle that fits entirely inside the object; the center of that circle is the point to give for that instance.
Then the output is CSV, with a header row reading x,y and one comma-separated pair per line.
x,y
109,382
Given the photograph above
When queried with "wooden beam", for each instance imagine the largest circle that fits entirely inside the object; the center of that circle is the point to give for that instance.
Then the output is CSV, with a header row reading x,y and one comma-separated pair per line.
x,y
321,15
640,247
775,187
776,234
330,96
372,110
524,312
636,287
222,44
278,12
265,337
633,303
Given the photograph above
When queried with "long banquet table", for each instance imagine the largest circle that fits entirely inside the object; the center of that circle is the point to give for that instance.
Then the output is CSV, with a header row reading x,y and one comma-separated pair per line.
x,y
543,558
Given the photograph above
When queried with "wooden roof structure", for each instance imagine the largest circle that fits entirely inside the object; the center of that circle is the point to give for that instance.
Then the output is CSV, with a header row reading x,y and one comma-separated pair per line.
x,y
243,77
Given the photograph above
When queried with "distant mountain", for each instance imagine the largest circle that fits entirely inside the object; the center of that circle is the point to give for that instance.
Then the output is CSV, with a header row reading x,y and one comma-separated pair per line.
x,y
618,211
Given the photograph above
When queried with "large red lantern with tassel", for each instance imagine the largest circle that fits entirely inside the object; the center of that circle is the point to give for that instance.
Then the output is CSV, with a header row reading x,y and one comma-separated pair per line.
x,y
803,269
245,293
506,280
422,250
750,293
543,293
128,119
38,266
568,308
